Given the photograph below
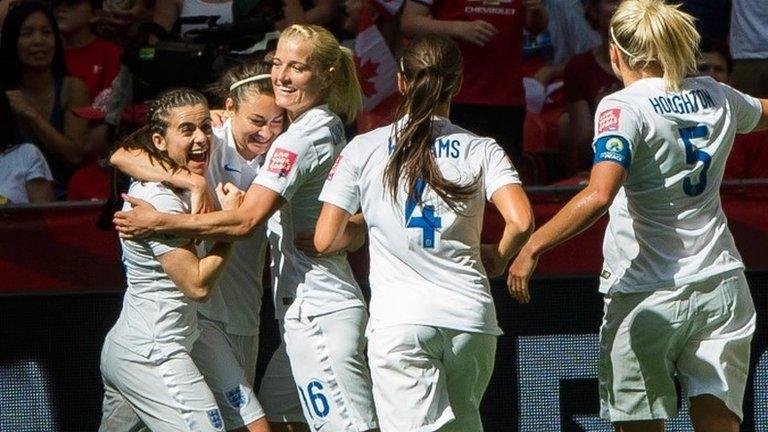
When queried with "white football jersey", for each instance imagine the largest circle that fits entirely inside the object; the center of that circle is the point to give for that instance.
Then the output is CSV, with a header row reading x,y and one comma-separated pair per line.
x,y
236,301
667,227
296,167
425,258
157,320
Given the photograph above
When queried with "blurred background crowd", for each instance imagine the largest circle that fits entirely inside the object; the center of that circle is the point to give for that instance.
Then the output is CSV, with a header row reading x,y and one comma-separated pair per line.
x,y
74,74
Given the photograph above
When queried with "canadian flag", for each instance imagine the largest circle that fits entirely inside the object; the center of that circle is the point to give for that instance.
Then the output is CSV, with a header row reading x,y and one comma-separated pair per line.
x,y
376,66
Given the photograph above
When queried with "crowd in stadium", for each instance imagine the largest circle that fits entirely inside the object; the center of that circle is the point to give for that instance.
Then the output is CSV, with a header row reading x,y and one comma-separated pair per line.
x,y
233,147
535,80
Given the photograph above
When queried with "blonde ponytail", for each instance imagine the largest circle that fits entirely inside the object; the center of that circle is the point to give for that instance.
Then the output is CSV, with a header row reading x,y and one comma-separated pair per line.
x,y
653,35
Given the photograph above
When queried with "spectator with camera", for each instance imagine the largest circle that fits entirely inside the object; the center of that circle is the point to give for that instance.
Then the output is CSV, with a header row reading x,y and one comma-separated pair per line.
x,y
41,92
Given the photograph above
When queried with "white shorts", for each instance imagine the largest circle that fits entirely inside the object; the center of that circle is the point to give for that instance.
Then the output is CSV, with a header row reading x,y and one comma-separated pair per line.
x,y
278,390
429,378
228,363
327,355
700,332
165,395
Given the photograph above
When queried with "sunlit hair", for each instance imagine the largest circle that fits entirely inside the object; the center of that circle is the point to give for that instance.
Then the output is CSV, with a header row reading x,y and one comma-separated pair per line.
x,y
245,80
344,96
432,68
158,119
653,35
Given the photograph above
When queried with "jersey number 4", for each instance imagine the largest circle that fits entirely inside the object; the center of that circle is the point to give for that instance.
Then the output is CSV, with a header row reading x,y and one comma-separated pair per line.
x,y
694,155
427,222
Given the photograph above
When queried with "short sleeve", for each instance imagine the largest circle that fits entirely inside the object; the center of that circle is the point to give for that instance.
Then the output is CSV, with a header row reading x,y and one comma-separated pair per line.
x,y
498,170
289,159
37,167
747,110
341,188
617,132
165,201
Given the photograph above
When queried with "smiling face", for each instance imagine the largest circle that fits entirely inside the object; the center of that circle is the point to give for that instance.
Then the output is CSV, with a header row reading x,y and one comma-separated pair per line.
x,y
37,42
297,85
187,138
256,122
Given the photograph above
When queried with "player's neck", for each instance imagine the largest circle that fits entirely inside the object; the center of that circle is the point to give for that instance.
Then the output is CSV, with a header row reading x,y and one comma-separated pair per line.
x,y
443,110
628,76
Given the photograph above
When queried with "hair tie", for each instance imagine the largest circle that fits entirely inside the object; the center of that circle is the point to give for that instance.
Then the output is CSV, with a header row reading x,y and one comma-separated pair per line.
x,y
615,41
249,79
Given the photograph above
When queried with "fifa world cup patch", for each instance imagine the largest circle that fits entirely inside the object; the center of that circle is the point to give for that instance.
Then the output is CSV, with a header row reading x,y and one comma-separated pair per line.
x,y
613,148
282,162
334,167
214,416
236,397
608,120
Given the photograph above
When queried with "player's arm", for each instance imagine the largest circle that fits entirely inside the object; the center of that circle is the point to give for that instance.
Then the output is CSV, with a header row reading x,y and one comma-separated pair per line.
x,y
417,20
515,208
257,206
762,124
138,165
578,214
195,277
338,230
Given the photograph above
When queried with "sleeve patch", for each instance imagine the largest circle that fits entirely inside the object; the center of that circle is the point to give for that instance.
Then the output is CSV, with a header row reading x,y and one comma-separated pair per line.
x,y
334,167
613,148
608,120
282,162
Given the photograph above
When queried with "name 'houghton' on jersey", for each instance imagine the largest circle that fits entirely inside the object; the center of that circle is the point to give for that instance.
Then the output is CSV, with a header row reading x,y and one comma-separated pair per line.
x,y
667,227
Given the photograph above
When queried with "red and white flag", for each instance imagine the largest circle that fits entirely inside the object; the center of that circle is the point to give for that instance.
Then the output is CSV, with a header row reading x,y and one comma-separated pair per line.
x,y
376,65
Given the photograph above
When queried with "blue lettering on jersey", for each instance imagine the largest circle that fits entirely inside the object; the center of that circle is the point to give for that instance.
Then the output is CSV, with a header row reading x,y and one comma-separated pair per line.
x,y
683,103
445,148
337,133
390,146
613,148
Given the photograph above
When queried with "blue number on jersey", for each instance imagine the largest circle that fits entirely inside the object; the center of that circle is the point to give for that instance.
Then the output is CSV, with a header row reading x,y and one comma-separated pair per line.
x,y
692,156
428,222
315,400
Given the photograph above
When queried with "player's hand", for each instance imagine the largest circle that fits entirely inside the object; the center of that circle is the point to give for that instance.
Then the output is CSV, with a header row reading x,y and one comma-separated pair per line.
x,y
492,261
519,275
229,196
218,117
137,222
476,32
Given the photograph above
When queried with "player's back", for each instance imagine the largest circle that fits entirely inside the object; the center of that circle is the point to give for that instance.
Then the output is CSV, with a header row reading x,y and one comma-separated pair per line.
x,y
667,227
425,257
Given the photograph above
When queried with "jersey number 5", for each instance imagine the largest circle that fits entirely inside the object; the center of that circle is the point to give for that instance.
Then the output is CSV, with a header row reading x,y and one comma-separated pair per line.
x,y
427,222
693,155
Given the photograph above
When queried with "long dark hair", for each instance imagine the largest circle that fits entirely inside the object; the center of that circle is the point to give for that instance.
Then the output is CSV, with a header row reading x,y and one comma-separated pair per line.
x,y
432,68
8,128
157,122
244,71
10,73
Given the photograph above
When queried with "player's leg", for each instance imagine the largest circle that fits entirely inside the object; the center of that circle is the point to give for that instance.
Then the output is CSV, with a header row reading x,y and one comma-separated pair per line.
x,y
170,395
468,360
640,339
278,395
330,370
713,366
223,359
409,379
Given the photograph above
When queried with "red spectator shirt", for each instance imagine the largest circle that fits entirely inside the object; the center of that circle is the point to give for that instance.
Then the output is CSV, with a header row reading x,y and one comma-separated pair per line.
x,y
97,64
493,73
749,157
586,80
